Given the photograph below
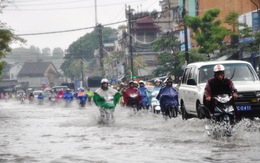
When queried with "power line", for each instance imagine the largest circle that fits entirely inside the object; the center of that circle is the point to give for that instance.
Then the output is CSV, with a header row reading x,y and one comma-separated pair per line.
x,y
64,31
65,8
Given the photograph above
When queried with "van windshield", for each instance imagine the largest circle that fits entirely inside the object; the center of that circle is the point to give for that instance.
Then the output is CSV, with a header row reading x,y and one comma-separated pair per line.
x,y
235,72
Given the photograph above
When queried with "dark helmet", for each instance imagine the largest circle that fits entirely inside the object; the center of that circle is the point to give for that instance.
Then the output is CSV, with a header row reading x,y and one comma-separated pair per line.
x,y
168,80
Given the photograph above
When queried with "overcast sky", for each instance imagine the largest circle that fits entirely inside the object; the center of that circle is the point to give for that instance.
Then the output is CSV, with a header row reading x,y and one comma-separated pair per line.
x,y
41,16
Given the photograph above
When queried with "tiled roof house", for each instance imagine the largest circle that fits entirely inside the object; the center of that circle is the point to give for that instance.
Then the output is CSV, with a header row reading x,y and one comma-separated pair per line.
x,y
38,74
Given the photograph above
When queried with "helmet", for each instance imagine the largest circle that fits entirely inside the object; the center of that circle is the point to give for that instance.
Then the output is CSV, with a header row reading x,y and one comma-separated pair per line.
x,y
81,89
168,80
141,82
131,81
104,81
218,68
157,80
135,82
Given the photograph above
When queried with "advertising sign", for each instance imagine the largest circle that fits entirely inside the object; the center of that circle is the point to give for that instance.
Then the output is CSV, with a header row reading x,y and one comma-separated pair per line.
x,y
256,21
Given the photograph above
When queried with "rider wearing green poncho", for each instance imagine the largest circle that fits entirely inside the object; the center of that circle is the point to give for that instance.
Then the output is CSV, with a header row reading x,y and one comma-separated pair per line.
x,y
90,94
106,97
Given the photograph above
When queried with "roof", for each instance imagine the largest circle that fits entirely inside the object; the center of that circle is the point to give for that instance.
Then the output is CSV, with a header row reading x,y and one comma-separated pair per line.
x,y
35,68
199,64
145,23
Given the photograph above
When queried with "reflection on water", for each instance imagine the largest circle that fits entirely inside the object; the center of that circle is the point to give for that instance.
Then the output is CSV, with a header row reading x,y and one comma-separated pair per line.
x,y
33,133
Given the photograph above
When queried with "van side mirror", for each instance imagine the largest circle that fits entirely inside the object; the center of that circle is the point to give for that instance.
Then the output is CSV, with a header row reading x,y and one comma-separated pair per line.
x,y
191,82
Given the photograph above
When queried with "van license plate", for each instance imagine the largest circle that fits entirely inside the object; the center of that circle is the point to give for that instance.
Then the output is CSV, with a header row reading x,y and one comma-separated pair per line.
x,y
244,108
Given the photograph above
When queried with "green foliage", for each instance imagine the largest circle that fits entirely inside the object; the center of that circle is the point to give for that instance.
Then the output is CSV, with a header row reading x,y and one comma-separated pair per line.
x,y
168,42
84,48
6,38
208,33
169,65
232,20
57,52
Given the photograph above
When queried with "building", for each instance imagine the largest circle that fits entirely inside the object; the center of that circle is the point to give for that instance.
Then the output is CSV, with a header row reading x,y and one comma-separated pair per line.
x,y
39,74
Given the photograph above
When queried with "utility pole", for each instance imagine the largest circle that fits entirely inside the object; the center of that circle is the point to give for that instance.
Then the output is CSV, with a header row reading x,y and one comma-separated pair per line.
x,y
101,51
95,12
185,33
81,62
130,41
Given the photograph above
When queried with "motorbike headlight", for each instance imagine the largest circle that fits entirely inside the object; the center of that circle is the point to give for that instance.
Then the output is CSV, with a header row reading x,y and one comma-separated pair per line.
x,y
258,94
229,109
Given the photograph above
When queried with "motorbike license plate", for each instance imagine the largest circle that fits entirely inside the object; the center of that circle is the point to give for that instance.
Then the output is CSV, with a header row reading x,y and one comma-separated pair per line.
x,y
244,108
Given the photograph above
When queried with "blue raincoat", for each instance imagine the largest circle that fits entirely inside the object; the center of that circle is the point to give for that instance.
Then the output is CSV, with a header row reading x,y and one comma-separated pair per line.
x,y
167,96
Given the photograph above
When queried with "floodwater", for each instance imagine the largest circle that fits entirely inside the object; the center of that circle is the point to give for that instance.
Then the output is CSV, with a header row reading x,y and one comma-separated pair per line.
x,y
52,133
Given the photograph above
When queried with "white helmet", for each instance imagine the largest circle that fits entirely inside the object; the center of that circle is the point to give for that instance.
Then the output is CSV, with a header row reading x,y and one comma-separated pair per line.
x,y
218,68
157,80
104,81
141,82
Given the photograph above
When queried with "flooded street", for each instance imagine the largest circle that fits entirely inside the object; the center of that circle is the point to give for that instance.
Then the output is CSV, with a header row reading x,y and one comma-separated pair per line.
x,y
45,133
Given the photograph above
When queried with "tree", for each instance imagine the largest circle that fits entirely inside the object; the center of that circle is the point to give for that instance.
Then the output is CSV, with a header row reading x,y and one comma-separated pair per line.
x,y
168,59
57,52
46,51
84,48
35,50
232,20
6,38
208,33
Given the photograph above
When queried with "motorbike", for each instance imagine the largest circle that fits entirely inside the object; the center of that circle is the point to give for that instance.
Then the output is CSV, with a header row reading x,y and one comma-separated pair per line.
x,y
169,103
22,99
82,100
106,107
133,102
223,118
52,99
40,99
155,103
107,111
31,99
68,100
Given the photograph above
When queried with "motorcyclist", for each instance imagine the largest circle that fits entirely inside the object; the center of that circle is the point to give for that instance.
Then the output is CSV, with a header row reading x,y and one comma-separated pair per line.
x,y
156,88
217,85
82,96
60,95
135,84
68,96
145,95
90,94
170,92
131,90
105,96
40,96
31,96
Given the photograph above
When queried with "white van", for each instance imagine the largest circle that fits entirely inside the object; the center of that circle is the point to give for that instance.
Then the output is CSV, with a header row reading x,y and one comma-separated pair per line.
x,y
242,74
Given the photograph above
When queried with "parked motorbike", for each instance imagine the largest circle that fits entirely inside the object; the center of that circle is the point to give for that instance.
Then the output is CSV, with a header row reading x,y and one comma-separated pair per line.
x,y
155,103
223,118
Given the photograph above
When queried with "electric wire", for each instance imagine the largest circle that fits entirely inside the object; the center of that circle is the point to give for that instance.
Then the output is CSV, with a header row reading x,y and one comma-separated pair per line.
x,y
64,31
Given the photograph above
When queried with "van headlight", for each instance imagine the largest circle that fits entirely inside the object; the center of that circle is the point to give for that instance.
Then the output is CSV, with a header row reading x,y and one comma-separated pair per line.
x,y
258,94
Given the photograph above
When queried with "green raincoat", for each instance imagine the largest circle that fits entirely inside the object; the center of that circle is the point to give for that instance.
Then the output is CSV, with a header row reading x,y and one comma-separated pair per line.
x,y
106,98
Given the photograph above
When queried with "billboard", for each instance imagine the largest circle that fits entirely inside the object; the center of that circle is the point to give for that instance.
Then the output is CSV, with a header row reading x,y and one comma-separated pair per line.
x,y
182,39
256,22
